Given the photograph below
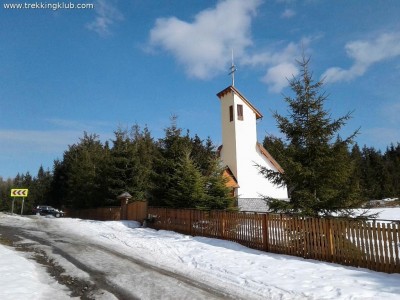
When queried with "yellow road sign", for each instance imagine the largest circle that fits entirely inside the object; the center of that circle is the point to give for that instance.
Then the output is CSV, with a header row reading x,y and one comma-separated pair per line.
x,y
19,192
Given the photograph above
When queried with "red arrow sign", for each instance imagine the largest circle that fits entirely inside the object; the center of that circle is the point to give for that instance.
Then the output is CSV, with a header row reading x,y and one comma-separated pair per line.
x,y
19,192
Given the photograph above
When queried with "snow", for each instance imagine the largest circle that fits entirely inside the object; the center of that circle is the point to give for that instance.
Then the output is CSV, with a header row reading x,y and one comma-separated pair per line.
x,y
21,278
247,273
392,213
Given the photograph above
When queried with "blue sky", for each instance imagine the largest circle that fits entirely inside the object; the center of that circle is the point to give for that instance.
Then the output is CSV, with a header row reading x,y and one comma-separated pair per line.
x,y
63,72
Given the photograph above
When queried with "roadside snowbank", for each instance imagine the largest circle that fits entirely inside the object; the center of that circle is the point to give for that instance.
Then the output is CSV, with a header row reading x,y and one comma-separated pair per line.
x,y
22,278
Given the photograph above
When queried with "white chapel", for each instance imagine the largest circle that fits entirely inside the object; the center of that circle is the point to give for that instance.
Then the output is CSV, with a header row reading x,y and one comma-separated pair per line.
x,y
240,153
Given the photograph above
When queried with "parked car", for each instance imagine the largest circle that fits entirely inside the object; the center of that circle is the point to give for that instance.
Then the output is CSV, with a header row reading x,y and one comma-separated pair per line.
x,y
45,210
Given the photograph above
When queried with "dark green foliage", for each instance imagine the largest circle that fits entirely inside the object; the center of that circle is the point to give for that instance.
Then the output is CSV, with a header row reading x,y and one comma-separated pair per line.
x,y
130,164
175,171
5,191
186,173
186,187
217,193
317,166
84,164
378,174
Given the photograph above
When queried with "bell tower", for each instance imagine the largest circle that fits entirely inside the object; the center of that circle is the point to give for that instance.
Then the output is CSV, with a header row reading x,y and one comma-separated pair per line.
x,y
239,132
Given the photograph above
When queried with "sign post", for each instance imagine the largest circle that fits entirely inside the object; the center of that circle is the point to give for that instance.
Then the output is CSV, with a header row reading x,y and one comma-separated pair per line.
x,y
19,193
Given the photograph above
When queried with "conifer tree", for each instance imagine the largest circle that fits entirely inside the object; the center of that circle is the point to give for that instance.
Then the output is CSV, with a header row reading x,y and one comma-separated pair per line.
x,y
144,148
84,163
186,189
317,169
120,166
218,195
187,174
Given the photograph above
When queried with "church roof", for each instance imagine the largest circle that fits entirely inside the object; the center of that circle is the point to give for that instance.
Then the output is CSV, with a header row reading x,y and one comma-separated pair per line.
x,y
234,90
231,179
270,158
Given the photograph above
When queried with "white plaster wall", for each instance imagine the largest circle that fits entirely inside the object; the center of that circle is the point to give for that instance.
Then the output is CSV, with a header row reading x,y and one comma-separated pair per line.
x,y
228,153
255,185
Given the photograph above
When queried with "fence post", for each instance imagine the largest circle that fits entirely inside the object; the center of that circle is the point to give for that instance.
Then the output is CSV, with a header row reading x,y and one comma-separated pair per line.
x,y
223,225
330,232
265,232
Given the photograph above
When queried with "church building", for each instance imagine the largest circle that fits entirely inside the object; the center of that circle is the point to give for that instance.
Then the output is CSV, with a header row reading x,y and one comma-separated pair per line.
x,y
240,153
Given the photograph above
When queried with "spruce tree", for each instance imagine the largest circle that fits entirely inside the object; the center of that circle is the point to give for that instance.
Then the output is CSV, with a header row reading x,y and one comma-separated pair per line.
x,y
84,164
186,173
120,166
317,170
186,189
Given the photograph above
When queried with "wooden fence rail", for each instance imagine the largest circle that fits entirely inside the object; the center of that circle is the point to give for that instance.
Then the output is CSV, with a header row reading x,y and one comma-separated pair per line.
x,y
360,243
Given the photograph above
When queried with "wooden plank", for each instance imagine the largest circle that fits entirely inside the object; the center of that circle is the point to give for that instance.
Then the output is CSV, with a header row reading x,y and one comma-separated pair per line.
x,y
352,243
370,246
265,232
378,247
391,261
396,247
302,237
316,239
322,238
360,254
385,249
289,233
324,244
372,254
359,245
337,241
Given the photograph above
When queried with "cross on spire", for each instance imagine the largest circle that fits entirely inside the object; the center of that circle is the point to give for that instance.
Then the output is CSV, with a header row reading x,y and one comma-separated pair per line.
x,y
233,70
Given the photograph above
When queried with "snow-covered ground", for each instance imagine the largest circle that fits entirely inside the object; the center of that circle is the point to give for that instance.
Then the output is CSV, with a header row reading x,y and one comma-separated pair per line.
x,y
248,273
21,278
392,213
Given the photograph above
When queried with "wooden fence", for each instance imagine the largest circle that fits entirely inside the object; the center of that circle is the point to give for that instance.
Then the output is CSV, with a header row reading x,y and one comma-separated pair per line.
x,y
100,213
360,243
135,211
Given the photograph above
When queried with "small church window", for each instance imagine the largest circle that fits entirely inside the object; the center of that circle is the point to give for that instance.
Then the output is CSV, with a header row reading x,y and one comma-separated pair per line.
x,y
240,112
231,113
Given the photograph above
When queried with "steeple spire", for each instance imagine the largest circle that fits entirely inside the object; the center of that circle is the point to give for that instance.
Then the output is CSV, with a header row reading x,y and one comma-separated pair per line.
x,y
233,70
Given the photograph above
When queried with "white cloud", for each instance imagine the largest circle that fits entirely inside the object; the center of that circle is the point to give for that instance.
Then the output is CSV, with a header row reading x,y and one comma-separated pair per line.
x,y
277,76
287,54
288,13
365,53
280,65
106,15
203,47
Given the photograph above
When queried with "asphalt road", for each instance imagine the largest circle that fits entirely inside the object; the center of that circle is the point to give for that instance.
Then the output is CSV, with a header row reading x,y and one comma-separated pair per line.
x,y
112,275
